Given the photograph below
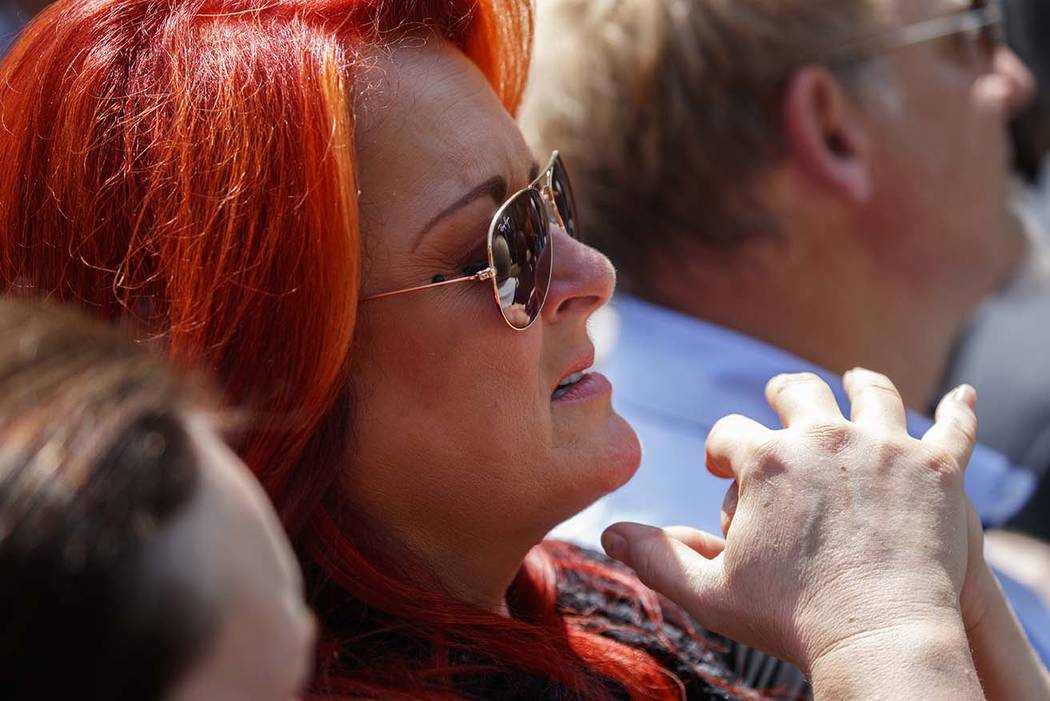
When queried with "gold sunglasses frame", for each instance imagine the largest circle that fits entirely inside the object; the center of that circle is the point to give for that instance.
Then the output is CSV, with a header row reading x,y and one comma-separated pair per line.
x,y
549,210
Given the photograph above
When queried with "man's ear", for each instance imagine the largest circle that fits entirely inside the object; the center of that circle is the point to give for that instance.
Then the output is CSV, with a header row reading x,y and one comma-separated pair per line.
x,y
826,136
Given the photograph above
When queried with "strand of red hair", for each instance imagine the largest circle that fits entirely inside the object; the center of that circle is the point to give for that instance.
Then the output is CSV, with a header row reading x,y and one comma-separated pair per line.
x,y
187,168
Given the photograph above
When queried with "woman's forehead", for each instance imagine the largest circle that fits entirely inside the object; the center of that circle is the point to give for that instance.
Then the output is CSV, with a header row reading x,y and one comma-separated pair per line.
x,y
429,128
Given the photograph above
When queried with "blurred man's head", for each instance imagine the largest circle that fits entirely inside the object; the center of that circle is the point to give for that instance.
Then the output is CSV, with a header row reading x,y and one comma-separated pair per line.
x,y
729,149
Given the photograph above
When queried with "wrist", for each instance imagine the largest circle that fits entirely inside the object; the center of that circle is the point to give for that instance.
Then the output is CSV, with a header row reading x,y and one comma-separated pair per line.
x,y
977,599
925,600
924,659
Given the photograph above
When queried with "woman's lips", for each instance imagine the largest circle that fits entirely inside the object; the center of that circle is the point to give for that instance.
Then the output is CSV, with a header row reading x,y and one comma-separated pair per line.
x,y
592,386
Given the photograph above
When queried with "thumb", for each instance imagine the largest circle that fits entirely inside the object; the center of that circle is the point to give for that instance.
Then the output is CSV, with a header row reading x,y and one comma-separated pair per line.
x,y
673,568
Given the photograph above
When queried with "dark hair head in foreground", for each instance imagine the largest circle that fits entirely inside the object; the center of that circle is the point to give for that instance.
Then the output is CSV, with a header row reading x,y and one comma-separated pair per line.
x,y
138,558
94,464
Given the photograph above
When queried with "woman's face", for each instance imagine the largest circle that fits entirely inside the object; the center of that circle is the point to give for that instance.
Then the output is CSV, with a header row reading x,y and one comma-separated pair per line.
x,y
229,546
459,442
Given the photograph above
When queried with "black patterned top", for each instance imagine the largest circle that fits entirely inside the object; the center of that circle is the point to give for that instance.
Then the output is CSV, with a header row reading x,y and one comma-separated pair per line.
x,y
701,660
709,667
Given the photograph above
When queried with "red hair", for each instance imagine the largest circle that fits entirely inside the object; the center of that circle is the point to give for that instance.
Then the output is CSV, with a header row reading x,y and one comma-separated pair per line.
x,y
188,167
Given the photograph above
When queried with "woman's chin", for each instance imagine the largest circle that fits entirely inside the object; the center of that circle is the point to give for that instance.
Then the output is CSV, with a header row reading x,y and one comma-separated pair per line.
x,y
615,459
598,462
628,457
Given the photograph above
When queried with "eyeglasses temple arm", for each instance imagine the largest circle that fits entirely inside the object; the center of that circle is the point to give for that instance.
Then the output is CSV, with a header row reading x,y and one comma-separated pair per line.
x,y
928,30
486,274
973,19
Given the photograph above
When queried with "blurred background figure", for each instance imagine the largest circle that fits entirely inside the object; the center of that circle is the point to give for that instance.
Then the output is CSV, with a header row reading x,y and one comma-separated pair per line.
x,y
13,16
1027,30
138,558
784,187
1005,353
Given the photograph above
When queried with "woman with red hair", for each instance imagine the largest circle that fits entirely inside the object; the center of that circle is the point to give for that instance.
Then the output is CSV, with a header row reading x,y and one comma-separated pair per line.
x,y
327,203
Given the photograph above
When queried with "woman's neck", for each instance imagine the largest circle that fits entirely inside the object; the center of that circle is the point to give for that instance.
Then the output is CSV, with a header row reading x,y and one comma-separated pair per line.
x,y
468,566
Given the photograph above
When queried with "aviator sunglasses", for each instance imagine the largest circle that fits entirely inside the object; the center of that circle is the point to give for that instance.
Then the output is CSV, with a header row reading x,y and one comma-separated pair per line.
x,y
520,254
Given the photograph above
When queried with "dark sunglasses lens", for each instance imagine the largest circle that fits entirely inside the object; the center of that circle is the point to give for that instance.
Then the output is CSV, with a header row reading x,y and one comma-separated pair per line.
x,y
563,198
521,257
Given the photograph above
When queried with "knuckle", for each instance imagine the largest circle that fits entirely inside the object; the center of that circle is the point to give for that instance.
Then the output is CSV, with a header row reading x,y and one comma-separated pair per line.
x,y
726,424
834,437
941,461
781,383
877,378
872,377
768,457
880,388
887,452
966,430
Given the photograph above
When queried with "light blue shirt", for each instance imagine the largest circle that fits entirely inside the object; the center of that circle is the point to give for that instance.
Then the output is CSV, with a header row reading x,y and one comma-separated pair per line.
x,y
674,376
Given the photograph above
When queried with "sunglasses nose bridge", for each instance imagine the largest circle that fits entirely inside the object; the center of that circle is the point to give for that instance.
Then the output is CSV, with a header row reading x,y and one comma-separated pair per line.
x,y
554,215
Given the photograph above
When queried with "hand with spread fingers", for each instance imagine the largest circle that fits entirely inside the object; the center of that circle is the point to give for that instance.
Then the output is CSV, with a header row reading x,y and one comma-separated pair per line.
x,y
849,545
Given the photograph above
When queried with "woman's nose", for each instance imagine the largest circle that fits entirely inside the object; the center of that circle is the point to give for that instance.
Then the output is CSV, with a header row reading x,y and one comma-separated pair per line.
x,y
582,279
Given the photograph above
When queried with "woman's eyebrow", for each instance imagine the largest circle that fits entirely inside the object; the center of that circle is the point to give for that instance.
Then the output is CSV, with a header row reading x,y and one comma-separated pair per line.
x,y
495,188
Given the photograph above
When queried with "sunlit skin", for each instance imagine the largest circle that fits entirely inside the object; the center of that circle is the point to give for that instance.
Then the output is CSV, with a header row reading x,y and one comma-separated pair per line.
x,y
461,455
944,158
230,547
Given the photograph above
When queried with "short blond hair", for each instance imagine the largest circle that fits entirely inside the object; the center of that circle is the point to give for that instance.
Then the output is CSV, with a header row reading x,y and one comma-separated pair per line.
x,y
666,110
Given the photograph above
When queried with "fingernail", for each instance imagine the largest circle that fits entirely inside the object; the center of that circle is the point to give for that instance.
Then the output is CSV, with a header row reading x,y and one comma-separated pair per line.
x,y
615,545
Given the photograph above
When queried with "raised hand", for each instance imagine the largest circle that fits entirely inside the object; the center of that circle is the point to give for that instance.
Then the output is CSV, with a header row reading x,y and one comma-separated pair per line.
x,y
839,532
